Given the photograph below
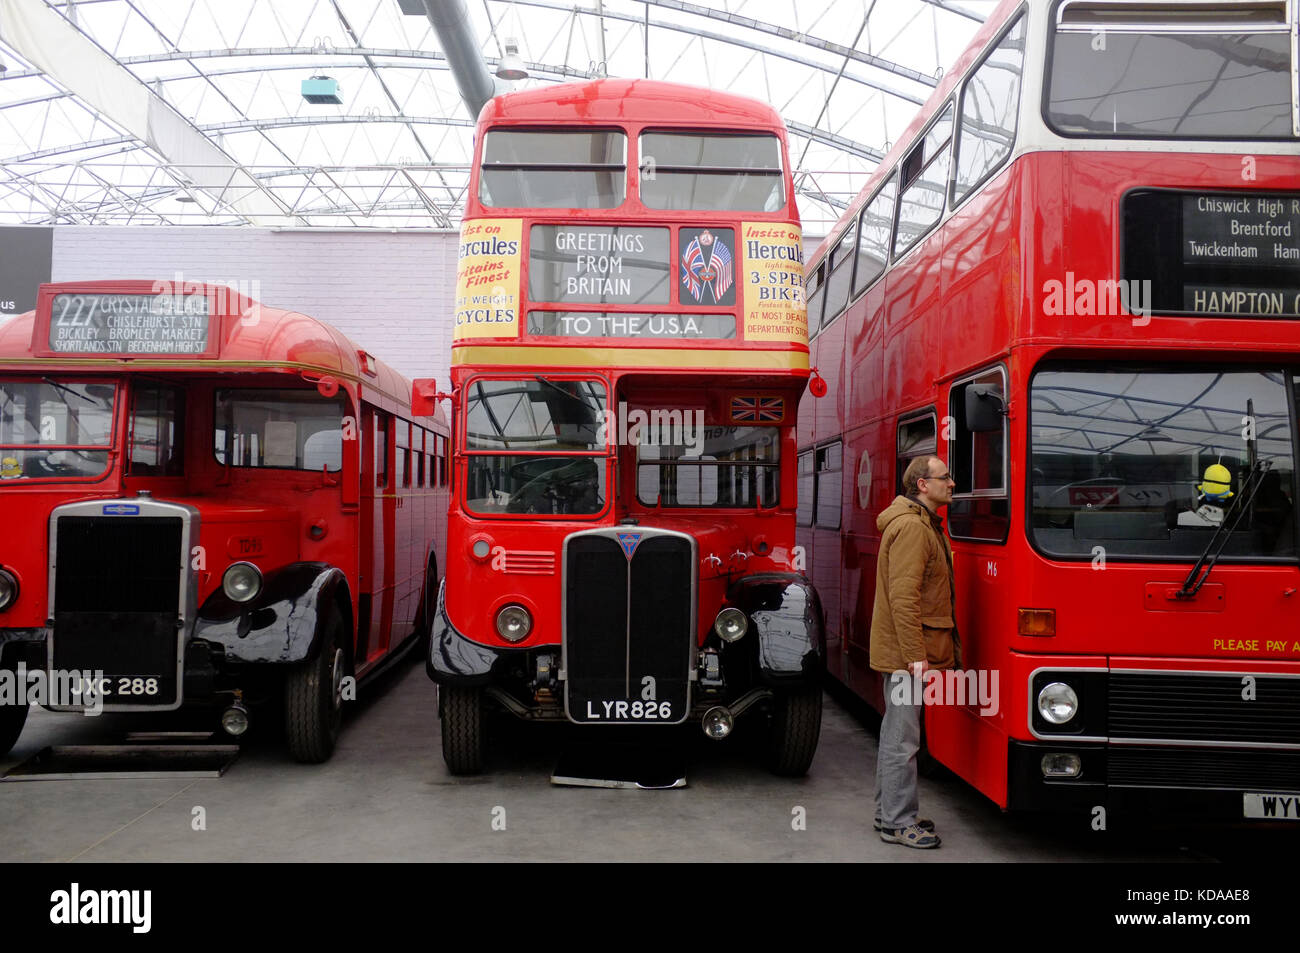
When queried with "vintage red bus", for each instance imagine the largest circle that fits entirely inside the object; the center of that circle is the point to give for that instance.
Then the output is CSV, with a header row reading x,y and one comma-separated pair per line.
x,y
1076,278
629,352
207,501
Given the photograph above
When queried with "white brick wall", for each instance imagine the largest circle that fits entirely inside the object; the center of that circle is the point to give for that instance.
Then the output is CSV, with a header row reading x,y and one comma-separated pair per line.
x,y
390,292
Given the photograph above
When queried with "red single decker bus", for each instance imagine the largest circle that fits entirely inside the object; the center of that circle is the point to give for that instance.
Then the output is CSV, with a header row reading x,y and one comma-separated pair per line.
x,y
1076,279
629,353
206,501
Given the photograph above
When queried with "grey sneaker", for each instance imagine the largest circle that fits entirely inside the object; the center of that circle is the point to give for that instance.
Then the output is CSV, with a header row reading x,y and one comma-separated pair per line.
x,y
914,836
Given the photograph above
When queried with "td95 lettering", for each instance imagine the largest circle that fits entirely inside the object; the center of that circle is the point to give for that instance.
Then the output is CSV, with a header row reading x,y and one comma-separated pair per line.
x,y
624,710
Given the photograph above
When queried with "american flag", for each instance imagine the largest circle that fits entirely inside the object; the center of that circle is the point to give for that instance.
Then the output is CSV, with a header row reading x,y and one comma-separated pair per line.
x,y
757,410
714,274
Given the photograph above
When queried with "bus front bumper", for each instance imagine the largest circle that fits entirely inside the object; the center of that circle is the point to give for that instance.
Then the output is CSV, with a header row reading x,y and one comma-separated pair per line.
x,y
1203,781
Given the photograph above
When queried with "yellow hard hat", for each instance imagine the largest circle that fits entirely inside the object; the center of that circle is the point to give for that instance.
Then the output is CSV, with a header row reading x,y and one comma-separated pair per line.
x,y
1217,482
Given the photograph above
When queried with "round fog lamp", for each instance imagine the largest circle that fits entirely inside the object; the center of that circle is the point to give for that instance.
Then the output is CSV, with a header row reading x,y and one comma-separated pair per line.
x,y
514,623
235,720
8,589
731,624
717,723
1058,703
242,582
1059,764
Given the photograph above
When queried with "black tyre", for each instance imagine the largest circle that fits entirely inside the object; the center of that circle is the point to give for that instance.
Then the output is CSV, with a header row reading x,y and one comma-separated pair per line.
x,y
794,732
313,699
463,728
12,719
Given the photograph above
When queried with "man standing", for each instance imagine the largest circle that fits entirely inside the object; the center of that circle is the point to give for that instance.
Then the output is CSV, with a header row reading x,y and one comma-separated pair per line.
x,y
913,630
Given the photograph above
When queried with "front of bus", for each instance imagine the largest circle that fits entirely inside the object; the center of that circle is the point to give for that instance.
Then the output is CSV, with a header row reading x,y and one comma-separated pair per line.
x,y
629,353
1158,647
168,487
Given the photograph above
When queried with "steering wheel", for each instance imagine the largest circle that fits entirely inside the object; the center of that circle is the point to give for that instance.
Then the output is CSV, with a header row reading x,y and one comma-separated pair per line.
x,y
547,490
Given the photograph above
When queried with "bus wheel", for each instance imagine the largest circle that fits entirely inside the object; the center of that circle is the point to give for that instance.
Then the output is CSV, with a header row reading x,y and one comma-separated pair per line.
x,y
462,728
313,699
796,726
12,719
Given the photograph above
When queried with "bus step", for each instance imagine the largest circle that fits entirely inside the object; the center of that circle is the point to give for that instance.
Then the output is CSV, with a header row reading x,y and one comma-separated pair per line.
x,y
645,767
118,762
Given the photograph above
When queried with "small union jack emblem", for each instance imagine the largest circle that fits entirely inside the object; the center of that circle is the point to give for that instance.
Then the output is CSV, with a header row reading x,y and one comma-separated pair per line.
x,y
629,543
757,410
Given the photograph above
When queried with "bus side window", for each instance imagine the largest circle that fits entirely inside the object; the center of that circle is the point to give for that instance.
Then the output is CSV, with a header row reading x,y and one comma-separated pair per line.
x,y
981,505
442,461
381,449
157,431
814,291
420,436
402,458
807,490
916,436
830,485
990,104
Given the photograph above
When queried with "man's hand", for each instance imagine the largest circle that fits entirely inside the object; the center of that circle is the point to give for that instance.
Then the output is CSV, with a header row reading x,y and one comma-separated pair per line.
x,y
918,668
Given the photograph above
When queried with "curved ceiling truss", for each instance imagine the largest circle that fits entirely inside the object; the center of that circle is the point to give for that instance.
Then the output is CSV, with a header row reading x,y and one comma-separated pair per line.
x,y
241,146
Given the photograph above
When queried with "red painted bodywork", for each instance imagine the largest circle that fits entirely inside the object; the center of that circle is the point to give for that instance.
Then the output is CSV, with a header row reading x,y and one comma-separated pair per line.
x,y
968,297
262,516
666,374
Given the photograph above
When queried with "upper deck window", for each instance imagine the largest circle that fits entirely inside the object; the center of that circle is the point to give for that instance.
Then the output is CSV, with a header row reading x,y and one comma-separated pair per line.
x,y
51,429
553,168
1186,71
716,172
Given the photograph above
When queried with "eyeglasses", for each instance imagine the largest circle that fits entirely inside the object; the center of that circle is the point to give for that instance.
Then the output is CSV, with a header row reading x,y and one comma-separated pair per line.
x,y
947,477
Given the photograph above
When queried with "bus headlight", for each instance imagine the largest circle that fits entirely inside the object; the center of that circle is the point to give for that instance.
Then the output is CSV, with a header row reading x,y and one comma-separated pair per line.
x,y
731,624
242,582
1057,703
8,588
514,623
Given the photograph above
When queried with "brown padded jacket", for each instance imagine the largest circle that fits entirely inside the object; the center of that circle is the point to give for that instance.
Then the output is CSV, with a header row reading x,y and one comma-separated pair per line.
x,y
913,614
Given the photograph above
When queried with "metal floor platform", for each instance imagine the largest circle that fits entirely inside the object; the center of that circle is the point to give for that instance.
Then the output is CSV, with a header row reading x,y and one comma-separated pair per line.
x,y
161,755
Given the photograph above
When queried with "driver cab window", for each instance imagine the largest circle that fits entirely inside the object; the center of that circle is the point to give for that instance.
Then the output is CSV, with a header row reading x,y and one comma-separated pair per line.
x,y
157,431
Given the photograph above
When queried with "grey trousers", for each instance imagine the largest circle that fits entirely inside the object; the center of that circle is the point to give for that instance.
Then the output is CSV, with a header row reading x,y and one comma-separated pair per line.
x,y
900,740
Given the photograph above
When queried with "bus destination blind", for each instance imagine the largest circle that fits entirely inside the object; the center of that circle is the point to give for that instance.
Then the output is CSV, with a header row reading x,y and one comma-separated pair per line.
x,y
1223,254
91,323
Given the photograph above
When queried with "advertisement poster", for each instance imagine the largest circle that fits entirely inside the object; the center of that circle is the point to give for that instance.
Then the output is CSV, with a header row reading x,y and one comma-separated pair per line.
x,y
772,263
487,278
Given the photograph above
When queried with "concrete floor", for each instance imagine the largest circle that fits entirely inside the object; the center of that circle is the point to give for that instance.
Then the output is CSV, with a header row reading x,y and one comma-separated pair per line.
x,y
386,795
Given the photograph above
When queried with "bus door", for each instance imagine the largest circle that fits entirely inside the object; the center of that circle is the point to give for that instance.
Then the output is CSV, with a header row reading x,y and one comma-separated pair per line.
x,y
377,518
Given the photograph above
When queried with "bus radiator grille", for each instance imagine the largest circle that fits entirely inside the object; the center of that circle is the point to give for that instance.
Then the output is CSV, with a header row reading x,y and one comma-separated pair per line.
x,y
1181,707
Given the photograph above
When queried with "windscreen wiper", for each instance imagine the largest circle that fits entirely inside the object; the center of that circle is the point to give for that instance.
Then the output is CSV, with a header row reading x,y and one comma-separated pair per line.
x,y
1201,571
67,390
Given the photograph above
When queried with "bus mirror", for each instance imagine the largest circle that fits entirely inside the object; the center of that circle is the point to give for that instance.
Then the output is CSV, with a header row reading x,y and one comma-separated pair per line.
x,y
984,408
424,397
327,386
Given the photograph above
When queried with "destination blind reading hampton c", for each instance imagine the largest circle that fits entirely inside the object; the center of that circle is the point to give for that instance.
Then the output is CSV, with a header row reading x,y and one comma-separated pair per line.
x,y
1235,255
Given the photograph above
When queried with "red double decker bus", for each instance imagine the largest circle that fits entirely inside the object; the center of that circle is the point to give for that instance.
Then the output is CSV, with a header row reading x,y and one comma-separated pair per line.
x,y
1076,279
629,353
207,501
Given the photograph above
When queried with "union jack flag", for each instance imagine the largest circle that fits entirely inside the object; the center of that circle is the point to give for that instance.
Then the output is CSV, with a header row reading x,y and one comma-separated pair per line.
x,y
700,271
757,410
